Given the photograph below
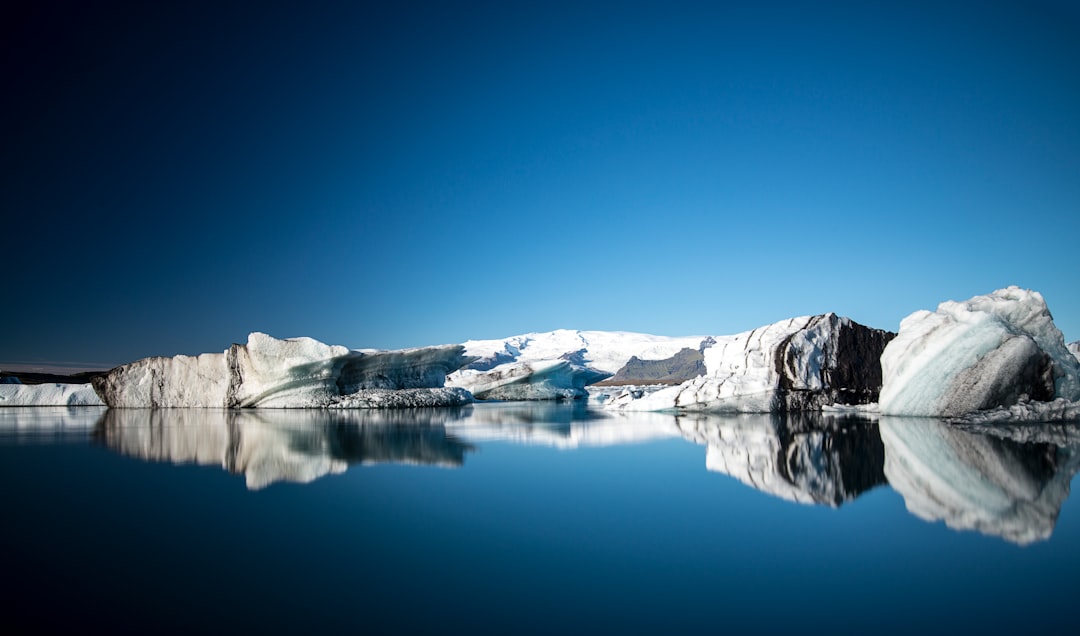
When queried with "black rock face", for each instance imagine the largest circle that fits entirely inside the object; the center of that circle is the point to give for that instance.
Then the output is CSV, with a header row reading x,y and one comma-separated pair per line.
x,y
851,369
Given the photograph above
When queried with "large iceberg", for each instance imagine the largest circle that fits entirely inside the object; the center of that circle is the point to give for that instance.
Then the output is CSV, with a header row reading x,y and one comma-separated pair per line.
x,y
292,373
557,364
991,351
799,364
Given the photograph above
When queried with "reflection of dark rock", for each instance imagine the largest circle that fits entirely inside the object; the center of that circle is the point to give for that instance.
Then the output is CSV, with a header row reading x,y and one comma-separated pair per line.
x,y
993,485
806,458
279,445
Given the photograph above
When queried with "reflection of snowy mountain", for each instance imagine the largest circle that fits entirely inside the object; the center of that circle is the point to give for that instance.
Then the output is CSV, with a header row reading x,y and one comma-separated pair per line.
x,y
559,425
804,458
993,485
283,445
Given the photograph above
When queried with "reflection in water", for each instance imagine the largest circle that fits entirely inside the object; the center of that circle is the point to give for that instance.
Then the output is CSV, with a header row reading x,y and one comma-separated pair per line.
x,y
48,424
267,446
1005,481
977,482
806,458
560,425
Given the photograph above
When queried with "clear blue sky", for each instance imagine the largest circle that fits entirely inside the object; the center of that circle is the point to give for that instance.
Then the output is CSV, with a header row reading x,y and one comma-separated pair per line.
x,y
390,176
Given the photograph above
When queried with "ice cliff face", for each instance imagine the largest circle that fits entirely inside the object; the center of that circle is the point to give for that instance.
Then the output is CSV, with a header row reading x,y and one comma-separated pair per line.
x,y
293,373
798,364
991,351
789,456
976,482
556,364
1074,347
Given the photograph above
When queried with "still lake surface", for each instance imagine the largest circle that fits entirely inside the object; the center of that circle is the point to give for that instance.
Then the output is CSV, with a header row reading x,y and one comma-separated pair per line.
x,y
530,518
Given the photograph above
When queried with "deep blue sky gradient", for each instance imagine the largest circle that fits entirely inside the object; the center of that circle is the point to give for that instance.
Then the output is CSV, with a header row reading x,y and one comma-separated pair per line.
x,y
173,177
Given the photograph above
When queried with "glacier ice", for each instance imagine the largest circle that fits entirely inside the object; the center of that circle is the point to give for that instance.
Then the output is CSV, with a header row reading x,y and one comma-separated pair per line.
x,y
798,364
51,394
557,364
991,351
977,482
292,373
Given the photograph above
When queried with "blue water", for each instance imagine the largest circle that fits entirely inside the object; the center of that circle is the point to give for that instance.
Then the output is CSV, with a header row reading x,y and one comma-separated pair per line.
x,y
496,519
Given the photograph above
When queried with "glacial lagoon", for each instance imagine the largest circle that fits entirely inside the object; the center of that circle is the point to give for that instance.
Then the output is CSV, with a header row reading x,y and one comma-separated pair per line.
x,y
532,518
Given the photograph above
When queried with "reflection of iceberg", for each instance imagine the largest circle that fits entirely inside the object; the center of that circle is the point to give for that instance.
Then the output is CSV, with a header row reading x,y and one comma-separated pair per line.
x,y
48,423
561,425
976,482
296,446
805,458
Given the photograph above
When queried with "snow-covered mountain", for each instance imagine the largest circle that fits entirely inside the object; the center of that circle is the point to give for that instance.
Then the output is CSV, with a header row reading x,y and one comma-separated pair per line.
x,y
557,364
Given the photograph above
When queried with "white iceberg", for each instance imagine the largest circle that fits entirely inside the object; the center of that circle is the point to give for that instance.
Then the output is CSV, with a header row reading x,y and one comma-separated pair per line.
x,y
51,394
798,364
991,351
292,373
557,364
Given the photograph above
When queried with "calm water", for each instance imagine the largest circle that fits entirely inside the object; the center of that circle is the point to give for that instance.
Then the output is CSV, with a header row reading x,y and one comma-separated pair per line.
x,y
534,518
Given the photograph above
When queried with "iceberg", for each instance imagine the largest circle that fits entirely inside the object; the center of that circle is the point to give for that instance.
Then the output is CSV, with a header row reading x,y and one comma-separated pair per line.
x,y
991,351
799,364
558,364
52,394
1074,347
291,373
994,486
